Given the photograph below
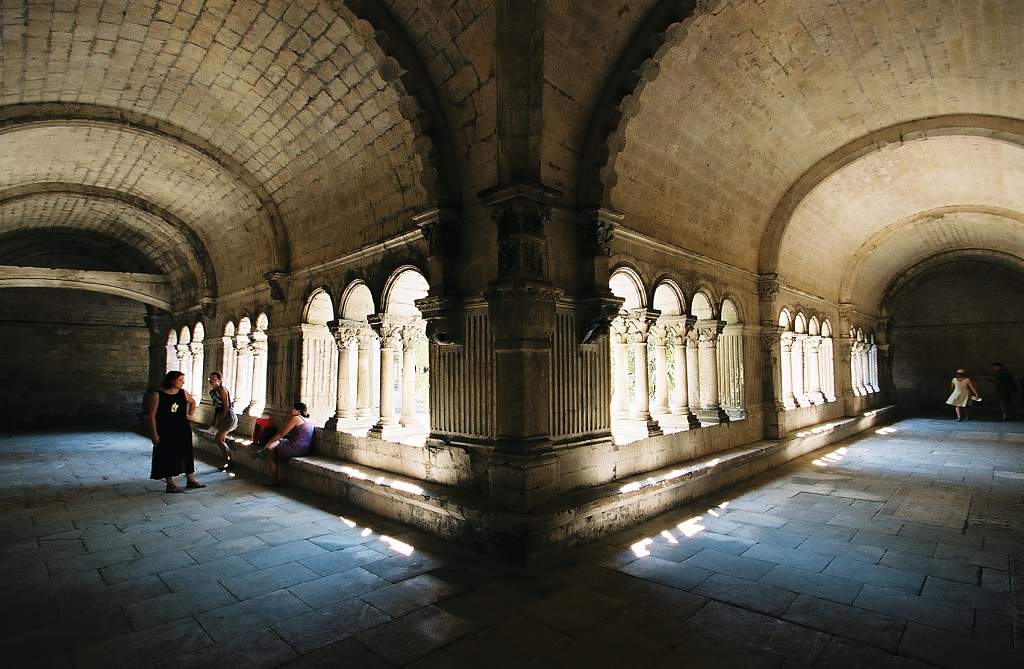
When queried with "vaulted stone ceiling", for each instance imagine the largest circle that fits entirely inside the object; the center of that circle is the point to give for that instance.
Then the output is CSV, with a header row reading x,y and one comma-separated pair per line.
x,y
751,140
267,129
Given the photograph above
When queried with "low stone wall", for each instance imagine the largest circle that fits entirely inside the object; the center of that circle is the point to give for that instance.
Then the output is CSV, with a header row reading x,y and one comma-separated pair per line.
x,y
454,512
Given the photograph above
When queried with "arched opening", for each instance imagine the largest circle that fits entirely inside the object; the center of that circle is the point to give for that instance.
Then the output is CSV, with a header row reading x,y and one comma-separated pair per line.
x,y
631,416
404,359
731,361
318,386
242,344
798,361
358,361
826,362
184,352
667,340
258,343
198,349
172,364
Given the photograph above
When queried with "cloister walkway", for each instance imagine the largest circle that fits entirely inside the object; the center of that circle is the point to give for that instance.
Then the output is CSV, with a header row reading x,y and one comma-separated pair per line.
x,y
900,548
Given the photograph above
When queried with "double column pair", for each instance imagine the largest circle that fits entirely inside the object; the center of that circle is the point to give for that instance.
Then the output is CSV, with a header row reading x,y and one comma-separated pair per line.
x,y
695,396
249,372
397,342
800,370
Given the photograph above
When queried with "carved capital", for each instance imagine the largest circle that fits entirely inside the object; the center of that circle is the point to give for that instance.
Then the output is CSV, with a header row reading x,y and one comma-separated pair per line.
x,y
638,324
208,307
768,286
709,331
680,326
440,228
597,315
770,338
522,247
442,316
344,332
535,291
388,331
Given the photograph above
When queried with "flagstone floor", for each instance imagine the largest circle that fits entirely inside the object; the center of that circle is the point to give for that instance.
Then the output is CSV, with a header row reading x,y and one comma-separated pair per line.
x,y
903,547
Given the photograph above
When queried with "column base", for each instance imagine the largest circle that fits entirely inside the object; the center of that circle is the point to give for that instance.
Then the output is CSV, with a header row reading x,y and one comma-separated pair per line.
x,y
680,419
638,428
713,416
817,398
387,430
337,422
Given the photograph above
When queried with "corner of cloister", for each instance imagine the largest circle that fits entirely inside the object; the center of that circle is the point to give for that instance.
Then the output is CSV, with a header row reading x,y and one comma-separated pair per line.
x,y
540,271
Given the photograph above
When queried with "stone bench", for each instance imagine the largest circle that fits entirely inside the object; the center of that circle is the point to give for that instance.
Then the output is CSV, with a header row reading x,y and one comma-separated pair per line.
x,y
574,517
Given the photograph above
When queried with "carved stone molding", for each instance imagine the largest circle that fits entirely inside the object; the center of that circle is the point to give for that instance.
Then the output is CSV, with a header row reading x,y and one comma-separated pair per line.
x,y
596,231
274,280
535,291
597,315
440,228
709,331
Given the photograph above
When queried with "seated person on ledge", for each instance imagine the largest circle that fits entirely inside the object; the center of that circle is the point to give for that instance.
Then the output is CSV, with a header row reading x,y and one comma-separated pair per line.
x,y
294,439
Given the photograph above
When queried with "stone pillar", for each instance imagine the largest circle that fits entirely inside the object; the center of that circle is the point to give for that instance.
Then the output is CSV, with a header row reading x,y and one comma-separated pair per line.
x,y
711,411
620,369
639,324
680,402
786,370
243,373
411,334
259,374
812,360
658,338
198,372
157,324
826,372
730,370
873,353
857,369
799,372
364,393
185,365
693,371
390,347
228,365
344,334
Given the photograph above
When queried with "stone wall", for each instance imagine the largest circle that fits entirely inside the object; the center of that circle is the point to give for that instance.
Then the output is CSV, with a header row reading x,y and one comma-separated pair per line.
x,y
71,357
964,314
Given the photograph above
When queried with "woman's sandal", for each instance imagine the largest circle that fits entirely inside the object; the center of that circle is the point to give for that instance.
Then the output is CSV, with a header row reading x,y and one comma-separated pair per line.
x,y
173,487
227,466
195,484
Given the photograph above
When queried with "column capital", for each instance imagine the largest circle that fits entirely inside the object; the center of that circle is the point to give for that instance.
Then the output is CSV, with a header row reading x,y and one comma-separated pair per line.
x,y
639,322
344,331
439,227
388,331
196,347
768,286
708,331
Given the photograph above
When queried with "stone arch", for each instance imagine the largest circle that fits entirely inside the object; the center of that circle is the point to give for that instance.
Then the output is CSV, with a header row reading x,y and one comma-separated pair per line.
x,y
731,312
826,328
194,249
229,329
669,298
156,294
405,285
1000,128
618,103
199,332
356,302
702,305
53,114
319,309
800,323
400,66
813,327
785,319
625,282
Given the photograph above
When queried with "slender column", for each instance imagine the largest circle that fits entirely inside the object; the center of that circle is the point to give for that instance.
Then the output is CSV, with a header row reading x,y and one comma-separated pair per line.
x,y
708,333
620,353
198,377
812,361
364,395
259,374
826,369
410,335
856,369
799,371
658,337
390,345
639,327
185,364
786,369
873,353
228,362
243,373
680,401
343,337
693,371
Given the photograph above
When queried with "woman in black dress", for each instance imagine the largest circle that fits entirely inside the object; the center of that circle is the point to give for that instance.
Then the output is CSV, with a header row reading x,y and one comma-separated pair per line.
x,y
170,410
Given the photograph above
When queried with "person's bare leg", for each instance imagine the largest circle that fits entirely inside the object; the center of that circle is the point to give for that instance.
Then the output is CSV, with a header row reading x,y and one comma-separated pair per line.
x,y
222,444
273,466
958,415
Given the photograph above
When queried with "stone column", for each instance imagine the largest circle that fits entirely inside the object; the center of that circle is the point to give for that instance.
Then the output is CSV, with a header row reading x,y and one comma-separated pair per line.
x,y
730,369
198,375
410,335
812,361
364,393
658,338
693,371
157,324
799,371
390,346
711,411
243,373
344,335
873,353
786,368
856,369
680,401
259,374
639,324
185,364
620,357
